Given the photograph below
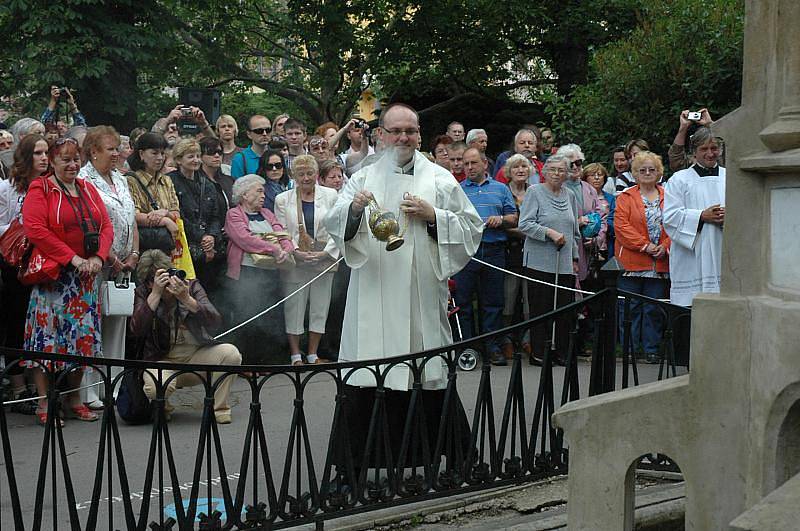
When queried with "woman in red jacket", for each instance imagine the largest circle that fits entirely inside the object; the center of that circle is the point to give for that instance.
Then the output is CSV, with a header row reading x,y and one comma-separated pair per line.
x,y
66,220
643,250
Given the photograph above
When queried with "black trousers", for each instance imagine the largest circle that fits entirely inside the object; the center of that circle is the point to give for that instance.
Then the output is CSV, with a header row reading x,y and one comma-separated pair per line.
x,y
14,299
540,298
358,410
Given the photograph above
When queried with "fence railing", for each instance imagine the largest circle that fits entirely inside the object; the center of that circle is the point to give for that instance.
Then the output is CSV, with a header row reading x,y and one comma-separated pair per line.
x,y
378,448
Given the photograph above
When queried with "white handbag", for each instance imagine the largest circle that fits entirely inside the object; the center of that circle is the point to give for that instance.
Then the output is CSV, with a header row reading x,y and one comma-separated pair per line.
x,y
117,295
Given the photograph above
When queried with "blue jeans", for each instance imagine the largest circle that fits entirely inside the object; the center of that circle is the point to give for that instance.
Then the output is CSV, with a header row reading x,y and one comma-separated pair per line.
x,y
488,283
647,320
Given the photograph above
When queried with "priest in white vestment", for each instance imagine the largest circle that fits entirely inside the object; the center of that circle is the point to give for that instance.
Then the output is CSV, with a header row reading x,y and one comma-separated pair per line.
x,y
396,300
694,214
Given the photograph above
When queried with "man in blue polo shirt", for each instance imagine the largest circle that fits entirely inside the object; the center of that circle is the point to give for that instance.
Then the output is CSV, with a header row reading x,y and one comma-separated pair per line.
x,y
259,131
496,207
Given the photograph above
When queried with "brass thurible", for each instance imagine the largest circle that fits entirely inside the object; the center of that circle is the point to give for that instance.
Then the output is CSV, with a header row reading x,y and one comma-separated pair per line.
x,y
384,226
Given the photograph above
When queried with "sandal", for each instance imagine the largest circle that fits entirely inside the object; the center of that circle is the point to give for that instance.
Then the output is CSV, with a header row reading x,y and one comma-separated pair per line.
x,y
82,412
42,415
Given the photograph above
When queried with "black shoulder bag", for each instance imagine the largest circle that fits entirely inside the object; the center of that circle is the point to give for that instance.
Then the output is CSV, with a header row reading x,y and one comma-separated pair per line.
x,y
154,237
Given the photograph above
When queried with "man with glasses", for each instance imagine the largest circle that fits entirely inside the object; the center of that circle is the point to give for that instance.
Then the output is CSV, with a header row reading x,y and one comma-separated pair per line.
x,y
397,300
259,131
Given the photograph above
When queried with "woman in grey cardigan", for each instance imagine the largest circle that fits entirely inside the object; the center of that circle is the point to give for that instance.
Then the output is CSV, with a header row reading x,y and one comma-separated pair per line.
x,y
548,218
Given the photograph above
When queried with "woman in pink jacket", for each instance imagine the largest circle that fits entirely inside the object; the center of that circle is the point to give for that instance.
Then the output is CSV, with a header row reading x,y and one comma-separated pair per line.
x,y
253,288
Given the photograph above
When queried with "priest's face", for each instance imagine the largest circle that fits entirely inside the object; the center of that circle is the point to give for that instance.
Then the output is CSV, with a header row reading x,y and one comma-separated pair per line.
x,y
708,154
400,130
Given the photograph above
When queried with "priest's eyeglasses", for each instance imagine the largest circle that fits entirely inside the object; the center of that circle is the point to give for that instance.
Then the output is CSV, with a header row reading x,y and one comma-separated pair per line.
x,y
401,132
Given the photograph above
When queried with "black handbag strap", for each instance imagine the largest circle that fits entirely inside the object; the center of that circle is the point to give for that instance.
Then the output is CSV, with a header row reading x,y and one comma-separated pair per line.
x,y
81,203
153,203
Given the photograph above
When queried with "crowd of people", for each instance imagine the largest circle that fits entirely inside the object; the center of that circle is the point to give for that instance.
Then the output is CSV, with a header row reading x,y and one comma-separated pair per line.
x,y
252,223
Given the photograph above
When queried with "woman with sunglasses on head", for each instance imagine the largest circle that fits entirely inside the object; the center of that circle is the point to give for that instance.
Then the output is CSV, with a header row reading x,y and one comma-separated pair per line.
x,y
30,161
66,220
272,168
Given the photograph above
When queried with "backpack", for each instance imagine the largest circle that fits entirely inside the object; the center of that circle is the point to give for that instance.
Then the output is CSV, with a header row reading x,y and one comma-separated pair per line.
x,y
133,406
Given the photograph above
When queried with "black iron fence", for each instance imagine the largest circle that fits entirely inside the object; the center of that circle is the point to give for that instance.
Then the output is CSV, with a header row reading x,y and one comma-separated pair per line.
x,y
376,448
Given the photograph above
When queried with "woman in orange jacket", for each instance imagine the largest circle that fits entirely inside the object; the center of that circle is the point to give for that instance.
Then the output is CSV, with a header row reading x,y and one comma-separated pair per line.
x,y
643,251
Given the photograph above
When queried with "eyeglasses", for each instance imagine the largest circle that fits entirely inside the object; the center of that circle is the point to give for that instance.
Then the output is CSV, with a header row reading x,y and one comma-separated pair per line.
x,y
401,132
645,171
318,142
274,165
261,130
577,163
213,152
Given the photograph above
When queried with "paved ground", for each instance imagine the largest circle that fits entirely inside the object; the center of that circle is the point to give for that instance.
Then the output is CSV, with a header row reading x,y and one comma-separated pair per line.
x,y
81,442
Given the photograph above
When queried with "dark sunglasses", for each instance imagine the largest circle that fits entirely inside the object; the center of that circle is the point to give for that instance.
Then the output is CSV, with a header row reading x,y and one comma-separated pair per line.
x,y
213,152
274,165
261,130
577,163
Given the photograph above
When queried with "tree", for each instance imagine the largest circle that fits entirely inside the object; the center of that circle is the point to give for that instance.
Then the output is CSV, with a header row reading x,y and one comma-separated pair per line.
x,y
683,54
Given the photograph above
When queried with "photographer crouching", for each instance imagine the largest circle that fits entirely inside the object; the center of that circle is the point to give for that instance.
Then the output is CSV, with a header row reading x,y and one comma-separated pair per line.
x,y
173,316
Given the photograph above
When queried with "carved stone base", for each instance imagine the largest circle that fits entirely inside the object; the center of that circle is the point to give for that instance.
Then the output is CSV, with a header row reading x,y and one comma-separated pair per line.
x,y
784,133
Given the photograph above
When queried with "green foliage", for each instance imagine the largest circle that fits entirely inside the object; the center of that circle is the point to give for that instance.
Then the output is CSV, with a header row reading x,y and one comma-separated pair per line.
x,y
684,54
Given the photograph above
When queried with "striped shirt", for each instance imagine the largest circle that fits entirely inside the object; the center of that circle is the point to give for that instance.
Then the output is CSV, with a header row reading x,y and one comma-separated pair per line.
x,y
490,198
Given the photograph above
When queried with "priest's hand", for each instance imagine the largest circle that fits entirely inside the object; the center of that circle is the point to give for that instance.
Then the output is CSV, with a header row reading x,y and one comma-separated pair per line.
x,y
714,214
308,257
414,207
360,202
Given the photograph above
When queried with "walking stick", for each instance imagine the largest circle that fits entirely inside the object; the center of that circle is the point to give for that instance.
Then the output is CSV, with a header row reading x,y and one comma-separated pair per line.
x,y
555,300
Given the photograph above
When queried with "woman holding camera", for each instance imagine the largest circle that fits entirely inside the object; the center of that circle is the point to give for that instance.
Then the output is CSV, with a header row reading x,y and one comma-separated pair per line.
x,y
66,220
176,321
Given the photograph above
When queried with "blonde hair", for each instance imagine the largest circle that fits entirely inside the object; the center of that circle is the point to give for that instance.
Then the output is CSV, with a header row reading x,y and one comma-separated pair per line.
x,y
305,161
644,156
229,119
184,146
593,168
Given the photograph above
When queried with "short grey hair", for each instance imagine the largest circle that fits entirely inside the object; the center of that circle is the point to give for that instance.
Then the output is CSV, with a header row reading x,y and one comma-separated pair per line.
x,y
473,134
702,135
556,159
570,150
23,126
522,132
243,184
515,159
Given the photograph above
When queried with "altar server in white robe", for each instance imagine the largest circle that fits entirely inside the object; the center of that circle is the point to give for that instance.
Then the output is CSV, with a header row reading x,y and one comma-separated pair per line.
x,y
396,300
694,214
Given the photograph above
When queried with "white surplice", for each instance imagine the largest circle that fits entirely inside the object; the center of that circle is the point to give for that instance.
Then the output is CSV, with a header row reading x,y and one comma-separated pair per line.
x,y
397,301
695,256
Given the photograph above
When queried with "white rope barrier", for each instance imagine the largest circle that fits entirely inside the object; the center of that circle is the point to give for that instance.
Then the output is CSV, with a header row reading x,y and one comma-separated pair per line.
x,y
21,400
286,298
529,279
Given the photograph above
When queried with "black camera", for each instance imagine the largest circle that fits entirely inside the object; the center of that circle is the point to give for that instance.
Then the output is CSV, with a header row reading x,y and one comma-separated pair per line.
x,y
91,242
359,124
175,272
